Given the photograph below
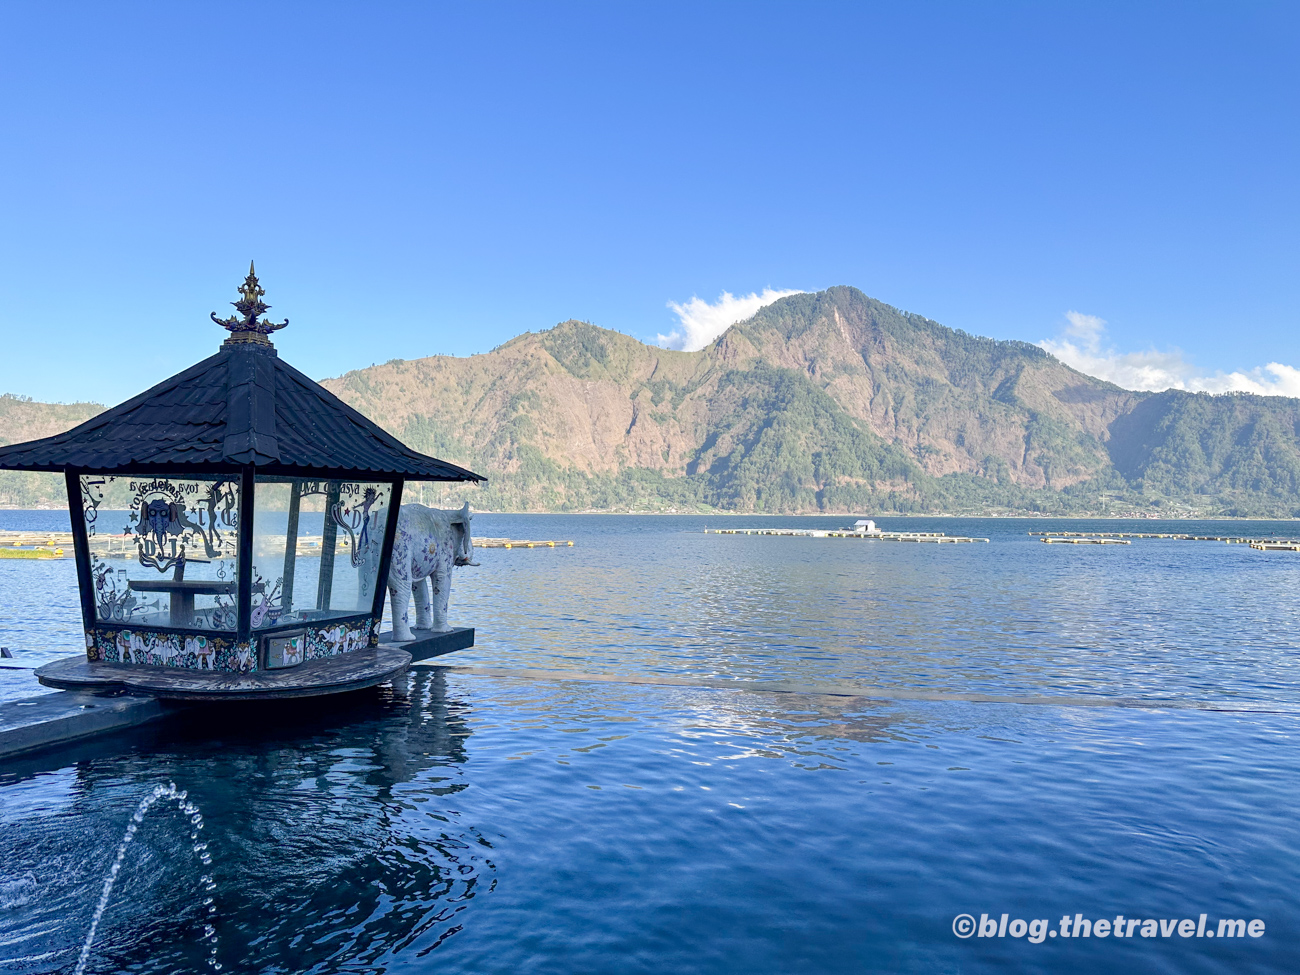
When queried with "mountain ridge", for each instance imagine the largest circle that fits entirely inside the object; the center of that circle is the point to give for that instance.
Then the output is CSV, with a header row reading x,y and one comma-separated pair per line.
x,y
826,401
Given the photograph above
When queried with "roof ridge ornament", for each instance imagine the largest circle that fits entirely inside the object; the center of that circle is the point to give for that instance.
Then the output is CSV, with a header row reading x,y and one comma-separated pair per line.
x,y
250,306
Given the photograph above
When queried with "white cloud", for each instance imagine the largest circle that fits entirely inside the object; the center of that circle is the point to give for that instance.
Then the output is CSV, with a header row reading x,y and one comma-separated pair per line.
x,y
1087,328
1080,346
699,323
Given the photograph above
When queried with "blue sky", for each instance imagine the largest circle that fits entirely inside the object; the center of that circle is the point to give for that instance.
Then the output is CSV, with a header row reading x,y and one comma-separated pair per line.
x,y
416,179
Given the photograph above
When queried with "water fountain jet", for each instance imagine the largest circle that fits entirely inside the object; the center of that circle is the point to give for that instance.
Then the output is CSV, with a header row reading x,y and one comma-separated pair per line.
x,y
180,797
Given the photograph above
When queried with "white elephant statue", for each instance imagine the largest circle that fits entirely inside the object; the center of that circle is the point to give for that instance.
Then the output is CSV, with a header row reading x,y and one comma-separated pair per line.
x,y
429,542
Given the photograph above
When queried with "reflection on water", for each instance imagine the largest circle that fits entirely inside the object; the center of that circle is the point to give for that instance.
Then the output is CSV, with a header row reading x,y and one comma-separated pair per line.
x,y
333,837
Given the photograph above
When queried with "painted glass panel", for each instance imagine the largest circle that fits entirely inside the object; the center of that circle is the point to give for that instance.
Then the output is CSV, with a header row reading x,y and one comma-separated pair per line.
x,y
316,548
163,551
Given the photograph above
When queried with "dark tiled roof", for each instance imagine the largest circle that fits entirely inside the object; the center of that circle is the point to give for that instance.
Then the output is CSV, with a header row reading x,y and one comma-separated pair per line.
x,y
242,406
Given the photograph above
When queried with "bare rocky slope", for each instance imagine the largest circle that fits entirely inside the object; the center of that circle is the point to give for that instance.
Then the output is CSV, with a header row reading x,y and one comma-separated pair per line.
x,y
821,402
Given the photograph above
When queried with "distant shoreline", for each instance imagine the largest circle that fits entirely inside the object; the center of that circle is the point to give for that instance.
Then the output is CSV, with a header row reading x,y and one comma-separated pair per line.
x,y
821,514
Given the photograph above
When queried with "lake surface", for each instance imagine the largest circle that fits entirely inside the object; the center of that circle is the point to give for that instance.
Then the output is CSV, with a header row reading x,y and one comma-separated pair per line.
x,y
608,787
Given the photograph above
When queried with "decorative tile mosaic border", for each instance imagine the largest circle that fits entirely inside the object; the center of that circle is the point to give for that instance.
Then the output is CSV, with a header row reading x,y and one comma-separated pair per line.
x,y
330,641
195,652
189,651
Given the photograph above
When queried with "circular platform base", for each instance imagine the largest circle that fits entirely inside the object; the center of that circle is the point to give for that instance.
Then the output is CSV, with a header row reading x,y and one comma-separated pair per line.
x,y
332,675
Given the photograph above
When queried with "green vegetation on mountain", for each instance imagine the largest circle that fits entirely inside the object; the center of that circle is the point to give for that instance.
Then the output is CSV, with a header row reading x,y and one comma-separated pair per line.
x,y
1239,450
821,402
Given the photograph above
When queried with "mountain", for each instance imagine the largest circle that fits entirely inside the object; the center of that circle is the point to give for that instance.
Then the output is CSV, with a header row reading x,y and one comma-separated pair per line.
x,y
24,419
830,401
825,402
1239,446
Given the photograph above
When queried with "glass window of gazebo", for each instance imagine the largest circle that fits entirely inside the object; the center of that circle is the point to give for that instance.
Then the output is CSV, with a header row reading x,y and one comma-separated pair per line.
x,y
236,517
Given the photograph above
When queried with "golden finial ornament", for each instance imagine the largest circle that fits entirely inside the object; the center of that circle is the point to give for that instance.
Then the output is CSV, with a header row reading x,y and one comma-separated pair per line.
x,y
250,306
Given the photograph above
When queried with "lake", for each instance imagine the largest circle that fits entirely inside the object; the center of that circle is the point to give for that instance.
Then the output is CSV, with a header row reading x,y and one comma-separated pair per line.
x,y
673,751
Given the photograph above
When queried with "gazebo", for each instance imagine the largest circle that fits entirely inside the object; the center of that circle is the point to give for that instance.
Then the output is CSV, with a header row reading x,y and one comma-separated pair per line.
x,y
232,527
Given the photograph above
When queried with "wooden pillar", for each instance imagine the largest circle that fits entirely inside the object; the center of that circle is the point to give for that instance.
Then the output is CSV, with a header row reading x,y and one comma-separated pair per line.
x,y
386,551
81,549
329,540
291,548
244,598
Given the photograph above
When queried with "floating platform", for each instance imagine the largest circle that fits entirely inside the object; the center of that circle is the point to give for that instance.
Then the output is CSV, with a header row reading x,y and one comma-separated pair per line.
x,y
1276,546
109,546
97,697
56,719
58,545
1087,541
933,537
9,537
520,543
331,675
430,643
1229,539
